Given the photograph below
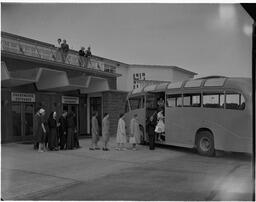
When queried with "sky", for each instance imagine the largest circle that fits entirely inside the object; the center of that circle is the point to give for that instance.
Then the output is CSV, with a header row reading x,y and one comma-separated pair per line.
x,y
209,39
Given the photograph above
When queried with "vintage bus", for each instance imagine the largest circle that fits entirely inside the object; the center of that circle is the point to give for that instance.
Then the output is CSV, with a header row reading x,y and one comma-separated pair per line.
x,y
209,114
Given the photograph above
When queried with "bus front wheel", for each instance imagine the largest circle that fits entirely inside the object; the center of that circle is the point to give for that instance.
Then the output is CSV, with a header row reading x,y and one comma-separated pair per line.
x,y
205,143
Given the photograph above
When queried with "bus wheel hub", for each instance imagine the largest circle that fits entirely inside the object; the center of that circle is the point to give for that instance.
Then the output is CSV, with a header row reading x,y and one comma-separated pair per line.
x,y
205,144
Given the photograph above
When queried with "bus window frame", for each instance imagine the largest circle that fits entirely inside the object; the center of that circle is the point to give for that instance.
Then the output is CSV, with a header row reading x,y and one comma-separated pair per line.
x,y
235,91
142,100
213,91
199,92
174,93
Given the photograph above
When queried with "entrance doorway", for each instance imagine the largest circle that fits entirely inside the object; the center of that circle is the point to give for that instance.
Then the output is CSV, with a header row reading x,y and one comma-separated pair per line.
x,y
73,108
96,106
22,120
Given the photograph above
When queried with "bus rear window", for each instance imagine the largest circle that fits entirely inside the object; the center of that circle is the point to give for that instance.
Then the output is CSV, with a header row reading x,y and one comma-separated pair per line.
x,y
174,100
235,101
213,100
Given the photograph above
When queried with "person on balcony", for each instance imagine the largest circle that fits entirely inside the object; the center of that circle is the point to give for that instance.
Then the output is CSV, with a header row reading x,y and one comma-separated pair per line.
x,y
58,55
81,57
88,55
64,50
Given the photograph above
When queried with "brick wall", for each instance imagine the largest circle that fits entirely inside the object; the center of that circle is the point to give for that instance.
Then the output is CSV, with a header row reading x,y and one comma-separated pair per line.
x,y
114,104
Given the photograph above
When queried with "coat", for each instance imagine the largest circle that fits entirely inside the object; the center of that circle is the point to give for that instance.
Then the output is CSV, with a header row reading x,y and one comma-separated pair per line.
x,y
105,128
38,129
52,137
95,129
135,131
121,133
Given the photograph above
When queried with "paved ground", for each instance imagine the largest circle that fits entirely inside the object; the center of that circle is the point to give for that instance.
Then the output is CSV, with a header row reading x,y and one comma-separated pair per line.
x,y
163,174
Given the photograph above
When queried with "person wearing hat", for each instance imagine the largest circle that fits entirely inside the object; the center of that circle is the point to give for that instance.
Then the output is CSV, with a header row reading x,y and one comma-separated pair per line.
x,y
81,54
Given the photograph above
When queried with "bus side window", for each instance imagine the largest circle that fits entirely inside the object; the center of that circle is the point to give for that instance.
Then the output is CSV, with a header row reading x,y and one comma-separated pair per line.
x,y
191,100
174,100
213,100
235,101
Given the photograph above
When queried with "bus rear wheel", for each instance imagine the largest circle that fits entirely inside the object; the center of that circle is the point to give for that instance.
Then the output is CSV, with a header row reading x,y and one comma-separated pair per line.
x,y
205,143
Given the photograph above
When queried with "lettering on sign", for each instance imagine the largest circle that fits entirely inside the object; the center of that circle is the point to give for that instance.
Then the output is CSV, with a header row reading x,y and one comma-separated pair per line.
x,y
70,100
138,77
23,97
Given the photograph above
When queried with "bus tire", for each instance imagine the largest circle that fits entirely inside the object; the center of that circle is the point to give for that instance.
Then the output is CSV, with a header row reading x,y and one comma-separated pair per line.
x,y
142,136
205,143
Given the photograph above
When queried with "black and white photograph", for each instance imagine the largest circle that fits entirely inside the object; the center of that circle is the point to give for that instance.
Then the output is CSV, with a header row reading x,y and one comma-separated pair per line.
x,y
119,101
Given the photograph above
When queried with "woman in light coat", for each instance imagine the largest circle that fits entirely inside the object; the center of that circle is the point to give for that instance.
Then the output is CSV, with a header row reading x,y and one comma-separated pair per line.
x,y
105,131
121,133
95,132
134,131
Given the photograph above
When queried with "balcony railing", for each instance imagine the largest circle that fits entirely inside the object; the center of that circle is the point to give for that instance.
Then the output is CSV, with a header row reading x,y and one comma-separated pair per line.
x,y
50,53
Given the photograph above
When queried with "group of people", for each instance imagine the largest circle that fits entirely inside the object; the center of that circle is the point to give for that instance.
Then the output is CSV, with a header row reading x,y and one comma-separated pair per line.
x,y
121,137
52,135
156,126
84,56
62,134
63,49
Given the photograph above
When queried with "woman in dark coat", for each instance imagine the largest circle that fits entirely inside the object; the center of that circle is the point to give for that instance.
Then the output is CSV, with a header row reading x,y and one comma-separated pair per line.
x,y
71,129
52,124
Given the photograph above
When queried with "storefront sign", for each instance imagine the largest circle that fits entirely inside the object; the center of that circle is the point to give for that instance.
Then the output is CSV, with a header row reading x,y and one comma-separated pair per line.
x,y
23,97
70,100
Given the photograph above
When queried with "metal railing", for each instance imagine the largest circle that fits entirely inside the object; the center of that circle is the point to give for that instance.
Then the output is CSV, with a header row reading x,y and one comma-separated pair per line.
x,y
50,53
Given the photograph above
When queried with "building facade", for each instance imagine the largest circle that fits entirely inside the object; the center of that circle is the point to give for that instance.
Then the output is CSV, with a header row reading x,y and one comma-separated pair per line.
x,y
136,76
32,76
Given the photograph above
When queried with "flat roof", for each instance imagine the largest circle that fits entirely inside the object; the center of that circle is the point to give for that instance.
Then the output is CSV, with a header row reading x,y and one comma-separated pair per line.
x,y
165,66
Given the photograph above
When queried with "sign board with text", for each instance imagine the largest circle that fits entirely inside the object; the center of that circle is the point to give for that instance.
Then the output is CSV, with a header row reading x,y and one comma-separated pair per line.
x,y
23,97
70,100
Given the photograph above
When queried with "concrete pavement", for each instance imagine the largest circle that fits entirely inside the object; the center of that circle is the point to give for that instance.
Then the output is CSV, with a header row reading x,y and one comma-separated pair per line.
x,y
162,174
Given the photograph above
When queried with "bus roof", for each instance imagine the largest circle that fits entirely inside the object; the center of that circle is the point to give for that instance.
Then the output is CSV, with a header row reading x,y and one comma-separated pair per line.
x,y
206,82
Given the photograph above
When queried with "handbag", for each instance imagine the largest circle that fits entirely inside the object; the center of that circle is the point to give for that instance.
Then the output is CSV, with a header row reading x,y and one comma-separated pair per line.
x,y
132,140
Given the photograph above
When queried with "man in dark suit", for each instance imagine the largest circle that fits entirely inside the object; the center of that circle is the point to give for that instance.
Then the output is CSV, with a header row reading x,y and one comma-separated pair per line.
x,y
63,130
151,124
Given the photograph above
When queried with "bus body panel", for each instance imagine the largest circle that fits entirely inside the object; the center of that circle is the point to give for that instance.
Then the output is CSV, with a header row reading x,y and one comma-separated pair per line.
x,y
228,134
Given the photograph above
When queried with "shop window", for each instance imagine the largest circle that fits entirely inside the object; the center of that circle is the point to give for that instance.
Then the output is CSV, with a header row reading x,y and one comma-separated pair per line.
x,y
174,100
235,101
213,100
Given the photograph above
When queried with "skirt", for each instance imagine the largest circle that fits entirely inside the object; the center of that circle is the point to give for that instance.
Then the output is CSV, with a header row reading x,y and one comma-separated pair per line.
x,y
120,138
160,127
105,137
